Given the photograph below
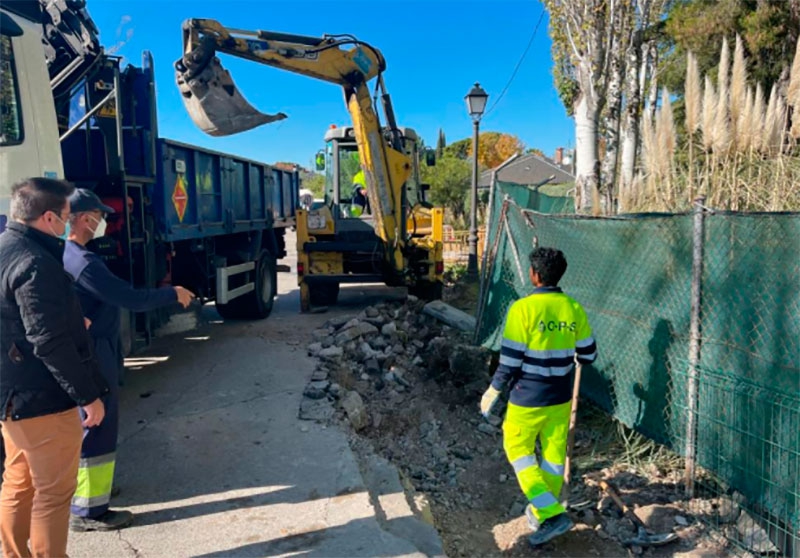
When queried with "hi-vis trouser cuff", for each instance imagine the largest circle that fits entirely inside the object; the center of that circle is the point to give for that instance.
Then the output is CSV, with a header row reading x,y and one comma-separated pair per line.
x,y
95,478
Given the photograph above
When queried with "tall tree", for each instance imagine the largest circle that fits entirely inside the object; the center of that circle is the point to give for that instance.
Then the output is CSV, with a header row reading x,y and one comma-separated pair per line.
x,y
441,143
582,33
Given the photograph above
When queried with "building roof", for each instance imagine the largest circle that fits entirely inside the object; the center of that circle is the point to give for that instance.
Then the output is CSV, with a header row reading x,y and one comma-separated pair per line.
x,y
528,170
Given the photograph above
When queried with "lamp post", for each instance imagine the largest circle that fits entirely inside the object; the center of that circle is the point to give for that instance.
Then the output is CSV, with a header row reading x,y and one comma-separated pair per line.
x,y
476,104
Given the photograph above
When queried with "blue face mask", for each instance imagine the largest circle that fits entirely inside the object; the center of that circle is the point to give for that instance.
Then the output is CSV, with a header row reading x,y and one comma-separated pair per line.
x,y
66,232
65,235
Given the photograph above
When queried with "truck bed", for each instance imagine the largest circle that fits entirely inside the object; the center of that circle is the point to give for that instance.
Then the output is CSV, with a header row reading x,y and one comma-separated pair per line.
x,y
201,193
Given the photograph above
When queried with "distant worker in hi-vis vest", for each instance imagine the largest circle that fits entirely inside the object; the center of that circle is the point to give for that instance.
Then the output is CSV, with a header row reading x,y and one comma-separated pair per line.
x,y
544,334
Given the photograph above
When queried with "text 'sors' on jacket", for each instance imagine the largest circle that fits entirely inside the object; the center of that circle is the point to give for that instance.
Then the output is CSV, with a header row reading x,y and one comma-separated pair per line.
x,y
46,360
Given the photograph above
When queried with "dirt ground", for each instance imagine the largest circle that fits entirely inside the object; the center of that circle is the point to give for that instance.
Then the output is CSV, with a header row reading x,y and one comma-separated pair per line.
x,y
419,409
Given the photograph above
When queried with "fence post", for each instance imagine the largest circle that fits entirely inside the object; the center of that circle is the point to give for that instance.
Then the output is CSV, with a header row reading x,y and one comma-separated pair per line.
x,y
698,245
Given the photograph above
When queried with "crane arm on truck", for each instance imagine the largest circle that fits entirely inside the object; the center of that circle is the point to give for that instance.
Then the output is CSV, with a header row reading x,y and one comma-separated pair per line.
x,y
217,107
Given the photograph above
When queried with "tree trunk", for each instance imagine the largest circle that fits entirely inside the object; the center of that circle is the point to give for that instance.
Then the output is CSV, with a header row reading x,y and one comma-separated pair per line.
x,y
630,127
612,123
586,162
651,69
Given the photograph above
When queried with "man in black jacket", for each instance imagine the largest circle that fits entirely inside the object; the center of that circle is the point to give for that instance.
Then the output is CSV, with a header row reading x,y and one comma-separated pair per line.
x,y
47,370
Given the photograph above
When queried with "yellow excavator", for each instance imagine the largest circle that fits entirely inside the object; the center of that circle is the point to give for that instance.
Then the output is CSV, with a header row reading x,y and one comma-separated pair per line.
x,y
396,236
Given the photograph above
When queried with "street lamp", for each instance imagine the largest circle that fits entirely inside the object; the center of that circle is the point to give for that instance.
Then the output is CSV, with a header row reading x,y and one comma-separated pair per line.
x,y
476,104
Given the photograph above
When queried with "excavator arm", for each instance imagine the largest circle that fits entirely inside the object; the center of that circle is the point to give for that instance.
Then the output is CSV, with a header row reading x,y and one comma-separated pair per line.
x,y
219,109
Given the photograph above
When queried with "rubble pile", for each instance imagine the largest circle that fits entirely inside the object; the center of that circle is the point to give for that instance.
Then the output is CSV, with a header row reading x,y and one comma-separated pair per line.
x,y
409,386
387,352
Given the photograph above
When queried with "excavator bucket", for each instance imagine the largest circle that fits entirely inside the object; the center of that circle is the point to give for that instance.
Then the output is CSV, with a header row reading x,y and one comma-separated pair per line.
x,y
215,104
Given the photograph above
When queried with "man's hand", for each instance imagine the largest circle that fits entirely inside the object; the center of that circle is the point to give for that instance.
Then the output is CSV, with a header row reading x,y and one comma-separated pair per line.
x,y
488,401
185,297
95,413
87,322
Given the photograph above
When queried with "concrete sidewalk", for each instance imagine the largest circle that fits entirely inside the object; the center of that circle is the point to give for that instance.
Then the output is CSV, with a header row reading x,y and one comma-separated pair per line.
x,y
214,462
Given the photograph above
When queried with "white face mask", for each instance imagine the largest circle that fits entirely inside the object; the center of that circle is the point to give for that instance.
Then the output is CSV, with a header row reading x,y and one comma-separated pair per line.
x,y
100,229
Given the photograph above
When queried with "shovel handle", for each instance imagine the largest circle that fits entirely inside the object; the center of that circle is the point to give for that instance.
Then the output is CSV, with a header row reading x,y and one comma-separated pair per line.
x,y
573,417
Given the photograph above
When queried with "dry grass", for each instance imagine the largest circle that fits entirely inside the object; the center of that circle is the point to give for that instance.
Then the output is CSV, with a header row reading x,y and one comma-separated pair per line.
x,y
744,159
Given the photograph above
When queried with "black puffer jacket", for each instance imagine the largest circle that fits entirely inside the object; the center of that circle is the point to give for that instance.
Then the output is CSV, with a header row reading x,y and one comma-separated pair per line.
x,y
46,362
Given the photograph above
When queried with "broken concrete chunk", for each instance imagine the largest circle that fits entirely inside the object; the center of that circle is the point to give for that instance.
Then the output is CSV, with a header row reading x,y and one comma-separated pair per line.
x,y
367,328
379,343
338,321
353,406
313,393
412,298
328,342
347,334
331,353
754,536
319,374
319,410
352,323
451,316
657,518
314,349
372,312
389,329
335,390
321,385
372,367
487,428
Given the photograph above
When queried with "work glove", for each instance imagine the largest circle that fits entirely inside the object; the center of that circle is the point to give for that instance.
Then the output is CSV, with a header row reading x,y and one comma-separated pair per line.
x,y
488,401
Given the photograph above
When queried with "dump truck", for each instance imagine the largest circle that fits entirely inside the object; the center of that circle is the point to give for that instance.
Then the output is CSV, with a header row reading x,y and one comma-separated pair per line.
x,y
398,239
212,222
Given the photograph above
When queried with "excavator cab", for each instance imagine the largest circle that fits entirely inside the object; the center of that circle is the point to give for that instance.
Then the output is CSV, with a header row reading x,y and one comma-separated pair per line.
x,y
344,175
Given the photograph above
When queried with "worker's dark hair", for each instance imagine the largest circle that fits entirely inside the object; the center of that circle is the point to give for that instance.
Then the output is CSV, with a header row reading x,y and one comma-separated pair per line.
x,y
33,197
550,264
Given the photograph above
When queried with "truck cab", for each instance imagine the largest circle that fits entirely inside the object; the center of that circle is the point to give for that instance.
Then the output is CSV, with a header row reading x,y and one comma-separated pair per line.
x,y
29,144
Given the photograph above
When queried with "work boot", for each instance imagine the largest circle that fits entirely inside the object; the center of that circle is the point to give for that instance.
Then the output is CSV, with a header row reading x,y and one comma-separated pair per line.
x,y
533,523
550,529
109,521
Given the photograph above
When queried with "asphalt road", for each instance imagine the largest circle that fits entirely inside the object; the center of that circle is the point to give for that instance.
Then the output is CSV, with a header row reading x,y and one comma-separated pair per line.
x,y
213,460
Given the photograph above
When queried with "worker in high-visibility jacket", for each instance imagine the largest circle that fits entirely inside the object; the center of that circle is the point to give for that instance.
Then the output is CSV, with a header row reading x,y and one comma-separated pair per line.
x,y
359,202
544,334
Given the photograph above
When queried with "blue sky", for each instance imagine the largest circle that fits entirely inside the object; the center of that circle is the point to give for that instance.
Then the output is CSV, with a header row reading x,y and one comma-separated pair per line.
x,y
435,51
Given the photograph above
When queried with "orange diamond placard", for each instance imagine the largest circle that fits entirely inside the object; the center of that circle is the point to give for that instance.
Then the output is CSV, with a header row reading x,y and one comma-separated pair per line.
x,y
180,197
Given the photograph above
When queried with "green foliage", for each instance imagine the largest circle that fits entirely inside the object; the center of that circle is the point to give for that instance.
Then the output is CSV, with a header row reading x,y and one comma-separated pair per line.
x,y
459,149
316,183
769,29
450,182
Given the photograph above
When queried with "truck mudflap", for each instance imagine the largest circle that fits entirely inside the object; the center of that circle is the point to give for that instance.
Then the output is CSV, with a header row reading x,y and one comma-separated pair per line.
x,y
211,98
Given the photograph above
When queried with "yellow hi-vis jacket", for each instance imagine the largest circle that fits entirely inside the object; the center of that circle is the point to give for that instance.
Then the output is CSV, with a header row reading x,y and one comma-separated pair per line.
x,y
543,335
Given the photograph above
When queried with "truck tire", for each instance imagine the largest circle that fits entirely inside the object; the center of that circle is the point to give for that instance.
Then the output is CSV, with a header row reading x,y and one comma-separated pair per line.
x,y
323,294
427,290
257,304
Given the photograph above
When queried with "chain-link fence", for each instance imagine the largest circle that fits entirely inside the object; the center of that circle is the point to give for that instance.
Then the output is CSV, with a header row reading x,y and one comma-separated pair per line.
x,y
711,372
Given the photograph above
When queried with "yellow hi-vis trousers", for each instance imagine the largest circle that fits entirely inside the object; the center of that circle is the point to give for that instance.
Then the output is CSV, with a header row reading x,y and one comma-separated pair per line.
x,y
541,482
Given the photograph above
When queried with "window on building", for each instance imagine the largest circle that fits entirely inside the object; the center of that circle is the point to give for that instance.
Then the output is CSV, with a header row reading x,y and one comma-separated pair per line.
x,y
10,112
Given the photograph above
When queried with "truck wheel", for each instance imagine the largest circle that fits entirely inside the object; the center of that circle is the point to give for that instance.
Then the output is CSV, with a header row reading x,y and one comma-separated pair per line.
x,y
257,304
427,290
323,294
